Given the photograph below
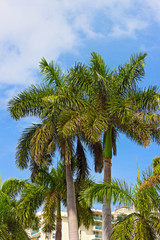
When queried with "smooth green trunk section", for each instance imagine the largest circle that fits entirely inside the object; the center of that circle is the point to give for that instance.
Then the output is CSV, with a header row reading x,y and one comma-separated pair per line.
x,y
107,144
106,210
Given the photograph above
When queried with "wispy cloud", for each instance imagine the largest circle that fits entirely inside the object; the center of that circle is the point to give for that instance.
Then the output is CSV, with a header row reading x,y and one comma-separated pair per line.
x,y
31,29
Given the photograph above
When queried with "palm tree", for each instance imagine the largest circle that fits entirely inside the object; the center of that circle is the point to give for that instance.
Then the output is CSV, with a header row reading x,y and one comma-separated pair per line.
x,y
38,143
88,102
155,178
11,224
116,105
50,189
144,223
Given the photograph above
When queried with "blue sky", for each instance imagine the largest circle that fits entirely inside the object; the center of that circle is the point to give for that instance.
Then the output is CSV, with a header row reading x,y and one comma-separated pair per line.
x,y
67,31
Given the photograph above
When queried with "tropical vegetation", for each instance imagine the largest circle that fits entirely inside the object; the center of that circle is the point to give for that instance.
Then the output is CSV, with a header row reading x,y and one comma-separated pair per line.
x,y
116,105
155,177
12,226
144,222
89,103
38,143
49,191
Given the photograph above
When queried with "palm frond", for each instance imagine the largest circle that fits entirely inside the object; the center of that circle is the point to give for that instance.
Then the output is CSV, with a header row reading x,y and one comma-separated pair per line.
x,y
12,187
97,152
49,212
39,143
51,72
147,100
29,102
124,229
80,79
117,190
129,74
23,152
97,65
31,199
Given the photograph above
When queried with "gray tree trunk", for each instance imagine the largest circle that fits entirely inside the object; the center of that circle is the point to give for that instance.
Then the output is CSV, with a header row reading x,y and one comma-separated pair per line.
x,y
71,205
59,228
106,210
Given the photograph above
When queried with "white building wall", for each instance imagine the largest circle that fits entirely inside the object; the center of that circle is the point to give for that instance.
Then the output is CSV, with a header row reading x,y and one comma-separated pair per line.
x,y
93,233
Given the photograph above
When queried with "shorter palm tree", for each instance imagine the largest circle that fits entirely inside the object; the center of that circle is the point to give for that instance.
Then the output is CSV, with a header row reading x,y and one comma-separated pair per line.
x,y
11,224
144,223
50,189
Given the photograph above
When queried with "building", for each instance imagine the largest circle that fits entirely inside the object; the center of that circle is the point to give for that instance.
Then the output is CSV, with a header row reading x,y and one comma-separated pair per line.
x,y
93,233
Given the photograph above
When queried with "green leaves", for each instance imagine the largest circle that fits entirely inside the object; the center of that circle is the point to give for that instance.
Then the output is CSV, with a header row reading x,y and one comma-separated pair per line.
x,y
29,102
129,74
144,223
12,187
52,73
117,190
12,226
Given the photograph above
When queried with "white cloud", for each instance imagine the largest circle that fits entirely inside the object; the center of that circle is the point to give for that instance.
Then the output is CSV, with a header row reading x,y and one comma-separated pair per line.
x,y
6,96
154,6
127,28
33,29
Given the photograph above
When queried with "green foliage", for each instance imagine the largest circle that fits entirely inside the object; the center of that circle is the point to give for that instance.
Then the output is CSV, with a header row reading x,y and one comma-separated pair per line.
x,y
145,222
154,178
12,225
29,102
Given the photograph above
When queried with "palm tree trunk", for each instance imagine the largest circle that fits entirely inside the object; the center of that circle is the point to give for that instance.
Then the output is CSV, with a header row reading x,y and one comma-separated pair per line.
x,y
58,220
71,205
106,210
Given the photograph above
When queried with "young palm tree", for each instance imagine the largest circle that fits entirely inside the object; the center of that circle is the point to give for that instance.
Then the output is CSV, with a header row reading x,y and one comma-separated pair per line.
x,y
144,223
11,224
50,189
116,104
155,178
47,189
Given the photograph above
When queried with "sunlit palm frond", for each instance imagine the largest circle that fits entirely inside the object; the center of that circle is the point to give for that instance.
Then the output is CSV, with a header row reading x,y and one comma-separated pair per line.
x,y
69,122
39,143
147,100
49,212
12,187
29,102
23,152
130,73
31,199
51,72
124,229
138,131
80,79
152,179
117,190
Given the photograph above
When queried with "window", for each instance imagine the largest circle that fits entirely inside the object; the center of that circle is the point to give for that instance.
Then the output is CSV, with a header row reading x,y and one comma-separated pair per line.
x,y
53,235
